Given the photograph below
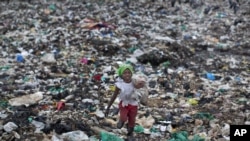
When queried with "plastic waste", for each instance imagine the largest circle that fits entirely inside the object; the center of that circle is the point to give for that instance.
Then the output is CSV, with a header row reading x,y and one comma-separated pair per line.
x,y
55,138
99,114
52,7
155,135
138,129
16,135
19,58
183,136
39,126
163,128
26,100
60,105
75,136
4,68
105,136
192,101
3,104
93,138
84,61
3,116
210,76
112,88
203,115
48,58
10,126
142,92
146,122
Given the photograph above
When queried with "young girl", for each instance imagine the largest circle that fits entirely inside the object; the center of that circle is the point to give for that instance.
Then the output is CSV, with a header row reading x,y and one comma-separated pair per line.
x,y
128,105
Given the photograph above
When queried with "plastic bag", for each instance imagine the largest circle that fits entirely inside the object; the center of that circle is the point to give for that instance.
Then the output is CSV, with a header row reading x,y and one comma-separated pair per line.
x,y
143,97
139,77
180,136
75,136
183,136
197,138
138,129
105,136
192,101
26,99
203,115
10,126
142,93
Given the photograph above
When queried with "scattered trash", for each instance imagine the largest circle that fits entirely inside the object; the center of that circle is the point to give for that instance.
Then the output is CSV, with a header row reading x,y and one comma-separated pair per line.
x,y
75,136
139,129
110,137
26,100
10,126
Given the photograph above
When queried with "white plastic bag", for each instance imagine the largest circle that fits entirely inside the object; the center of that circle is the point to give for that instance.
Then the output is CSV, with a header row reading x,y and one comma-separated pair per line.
x,y
26,100
142,93
49,58
10,126
75,136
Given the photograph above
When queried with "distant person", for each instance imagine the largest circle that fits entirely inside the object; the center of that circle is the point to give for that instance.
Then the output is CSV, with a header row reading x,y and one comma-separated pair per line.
x,y
234,4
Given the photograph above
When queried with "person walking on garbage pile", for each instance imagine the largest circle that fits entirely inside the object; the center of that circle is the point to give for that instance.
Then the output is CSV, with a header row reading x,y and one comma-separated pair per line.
x,y
126,3
234,4
128,105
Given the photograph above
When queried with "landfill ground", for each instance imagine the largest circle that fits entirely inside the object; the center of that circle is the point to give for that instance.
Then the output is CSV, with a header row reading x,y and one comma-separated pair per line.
x,y
58,61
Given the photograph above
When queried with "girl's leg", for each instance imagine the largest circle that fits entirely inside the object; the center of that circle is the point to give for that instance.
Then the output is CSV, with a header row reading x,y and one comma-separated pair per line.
x,y
123,115
131,118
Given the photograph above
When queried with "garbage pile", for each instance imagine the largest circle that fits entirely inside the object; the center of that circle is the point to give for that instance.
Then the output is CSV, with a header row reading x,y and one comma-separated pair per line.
x,y
59,58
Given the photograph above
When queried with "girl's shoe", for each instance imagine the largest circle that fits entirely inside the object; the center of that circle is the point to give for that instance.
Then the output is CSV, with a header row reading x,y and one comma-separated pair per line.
x,y
130,131
120,124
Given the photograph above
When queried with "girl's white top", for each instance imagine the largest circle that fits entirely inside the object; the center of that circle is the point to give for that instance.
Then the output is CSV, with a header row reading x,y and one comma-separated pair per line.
x,y
126,92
